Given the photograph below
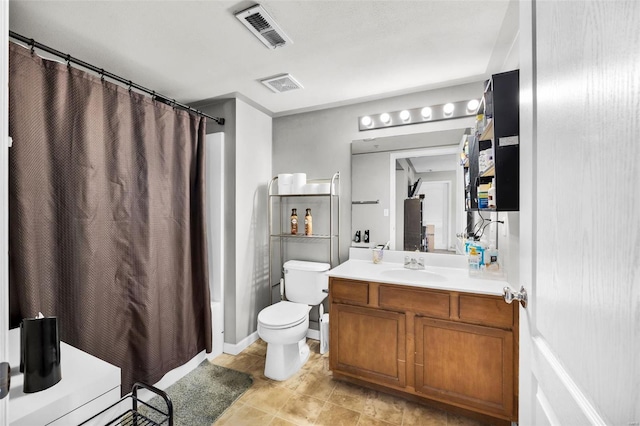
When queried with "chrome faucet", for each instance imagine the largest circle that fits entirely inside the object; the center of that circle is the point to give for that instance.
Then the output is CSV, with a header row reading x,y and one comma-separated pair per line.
x,y
413,263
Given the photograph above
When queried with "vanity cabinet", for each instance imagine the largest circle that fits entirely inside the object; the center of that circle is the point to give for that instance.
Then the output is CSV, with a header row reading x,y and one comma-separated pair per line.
x,y
468,364
458,351
357,353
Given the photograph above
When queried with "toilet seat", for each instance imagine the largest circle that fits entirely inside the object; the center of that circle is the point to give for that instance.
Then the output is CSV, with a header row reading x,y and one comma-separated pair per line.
x,y
283,315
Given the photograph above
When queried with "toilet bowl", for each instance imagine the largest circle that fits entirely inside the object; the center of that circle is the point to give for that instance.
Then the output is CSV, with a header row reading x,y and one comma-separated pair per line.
x,y
284,325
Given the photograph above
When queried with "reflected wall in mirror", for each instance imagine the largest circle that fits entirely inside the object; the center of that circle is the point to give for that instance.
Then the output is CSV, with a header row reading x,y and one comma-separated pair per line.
x,y
408,190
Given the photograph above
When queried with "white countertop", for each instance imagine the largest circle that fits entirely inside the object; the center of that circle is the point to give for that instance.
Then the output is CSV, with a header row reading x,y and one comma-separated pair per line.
x,y
443,272
84,378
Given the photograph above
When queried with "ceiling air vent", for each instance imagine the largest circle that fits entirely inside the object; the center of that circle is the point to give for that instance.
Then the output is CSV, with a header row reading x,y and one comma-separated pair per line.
x,y
263,26
282,83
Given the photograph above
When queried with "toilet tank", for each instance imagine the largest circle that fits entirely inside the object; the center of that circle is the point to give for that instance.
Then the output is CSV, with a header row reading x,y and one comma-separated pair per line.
x,y
304,281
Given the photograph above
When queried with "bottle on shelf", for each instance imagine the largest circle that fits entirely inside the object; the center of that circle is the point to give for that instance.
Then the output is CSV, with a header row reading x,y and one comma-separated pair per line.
x,y
308,226
357,237
294,221
492,195
365,238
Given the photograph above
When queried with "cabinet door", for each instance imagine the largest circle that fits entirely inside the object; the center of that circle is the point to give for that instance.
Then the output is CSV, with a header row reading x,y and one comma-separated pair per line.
x,y
468,365
368,343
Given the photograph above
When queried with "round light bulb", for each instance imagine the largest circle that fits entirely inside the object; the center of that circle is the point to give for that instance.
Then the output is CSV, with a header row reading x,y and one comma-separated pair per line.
x,y
472,105
448,108
426,112
385,118
366,121
405,115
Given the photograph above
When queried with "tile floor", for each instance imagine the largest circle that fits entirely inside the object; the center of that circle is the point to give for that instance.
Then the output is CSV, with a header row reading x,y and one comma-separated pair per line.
x,y
312,397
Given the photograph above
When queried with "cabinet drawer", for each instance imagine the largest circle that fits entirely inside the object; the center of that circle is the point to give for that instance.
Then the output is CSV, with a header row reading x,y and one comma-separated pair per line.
x,y
486,310
349,291
420,301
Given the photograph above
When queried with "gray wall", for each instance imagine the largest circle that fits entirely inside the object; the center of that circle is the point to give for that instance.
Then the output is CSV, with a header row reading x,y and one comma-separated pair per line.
x,y
319,143
247,171
253,172
370,183
227,109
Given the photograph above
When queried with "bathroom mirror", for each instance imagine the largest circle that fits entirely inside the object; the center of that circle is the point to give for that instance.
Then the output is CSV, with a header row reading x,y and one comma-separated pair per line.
x,y
422,168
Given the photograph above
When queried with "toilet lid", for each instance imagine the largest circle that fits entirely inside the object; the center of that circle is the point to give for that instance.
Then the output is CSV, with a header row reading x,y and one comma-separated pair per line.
x,y
283,314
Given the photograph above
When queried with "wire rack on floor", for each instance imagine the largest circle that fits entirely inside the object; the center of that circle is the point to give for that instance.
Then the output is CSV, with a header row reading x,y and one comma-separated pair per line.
x,y
130,410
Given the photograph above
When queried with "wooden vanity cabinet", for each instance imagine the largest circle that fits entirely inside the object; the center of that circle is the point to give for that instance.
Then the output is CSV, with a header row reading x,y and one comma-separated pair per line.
x,y
445,347
468,364
381,358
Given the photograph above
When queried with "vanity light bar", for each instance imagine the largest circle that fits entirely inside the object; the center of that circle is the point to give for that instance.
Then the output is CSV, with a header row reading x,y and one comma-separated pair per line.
x,y
446,111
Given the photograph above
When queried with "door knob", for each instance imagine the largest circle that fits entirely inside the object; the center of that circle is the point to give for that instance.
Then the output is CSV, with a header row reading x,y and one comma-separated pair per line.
x,y
510,296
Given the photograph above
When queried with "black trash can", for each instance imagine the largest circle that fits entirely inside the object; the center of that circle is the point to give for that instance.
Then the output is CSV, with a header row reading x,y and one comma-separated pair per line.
x,y
39,353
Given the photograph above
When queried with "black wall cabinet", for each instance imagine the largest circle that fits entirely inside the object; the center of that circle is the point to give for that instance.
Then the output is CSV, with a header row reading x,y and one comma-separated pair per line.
x,y
494,151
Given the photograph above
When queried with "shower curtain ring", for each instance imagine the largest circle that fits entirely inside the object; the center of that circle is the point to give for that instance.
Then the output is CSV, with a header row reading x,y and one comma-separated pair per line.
x,y
102,74
32,43
129,85
69,61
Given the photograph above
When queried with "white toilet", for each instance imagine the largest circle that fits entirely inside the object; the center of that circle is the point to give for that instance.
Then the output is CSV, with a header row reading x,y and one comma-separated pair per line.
x,y
284,325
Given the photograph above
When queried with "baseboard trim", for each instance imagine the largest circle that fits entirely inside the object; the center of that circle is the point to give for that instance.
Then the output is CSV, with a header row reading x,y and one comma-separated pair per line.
x,y
235,349
313,334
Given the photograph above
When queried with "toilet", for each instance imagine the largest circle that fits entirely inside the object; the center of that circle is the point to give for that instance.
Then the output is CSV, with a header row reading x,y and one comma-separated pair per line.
x,y
284,325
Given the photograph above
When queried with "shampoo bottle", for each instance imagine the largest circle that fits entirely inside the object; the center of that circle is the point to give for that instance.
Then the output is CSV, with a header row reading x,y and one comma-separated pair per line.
x,y
294,222
308,226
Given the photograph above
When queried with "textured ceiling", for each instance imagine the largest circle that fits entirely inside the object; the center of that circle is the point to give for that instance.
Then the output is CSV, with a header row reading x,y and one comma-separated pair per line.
x,y
342,51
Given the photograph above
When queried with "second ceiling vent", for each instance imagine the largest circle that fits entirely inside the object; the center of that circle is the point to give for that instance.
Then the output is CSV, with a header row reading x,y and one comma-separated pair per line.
x,y
262,25
282,83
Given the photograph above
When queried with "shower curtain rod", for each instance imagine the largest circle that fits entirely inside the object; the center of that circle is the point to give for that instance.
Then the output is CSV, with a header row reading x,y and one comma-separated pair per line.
x,y
70,59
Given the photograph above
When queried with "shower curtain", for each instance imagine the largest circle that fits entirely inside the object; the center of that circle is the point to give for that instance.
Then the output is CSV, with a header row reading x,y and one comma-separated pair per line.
x,y
106,218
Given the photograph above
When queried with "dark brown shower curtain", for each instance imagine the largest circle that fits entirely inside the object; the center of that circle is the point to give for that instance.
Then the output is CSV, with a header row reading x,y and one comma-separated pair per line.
x,y
106,218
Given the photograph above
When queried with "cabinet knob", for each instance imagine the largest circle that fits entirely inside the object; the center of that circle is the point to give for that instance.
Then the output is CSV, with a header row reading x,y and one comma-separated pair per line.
x,y
510,296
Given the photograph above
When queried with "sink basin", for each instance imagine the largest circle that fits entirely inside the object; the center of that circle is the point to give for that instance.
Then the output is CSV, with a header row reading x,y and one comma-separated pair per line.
x,y
418,275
